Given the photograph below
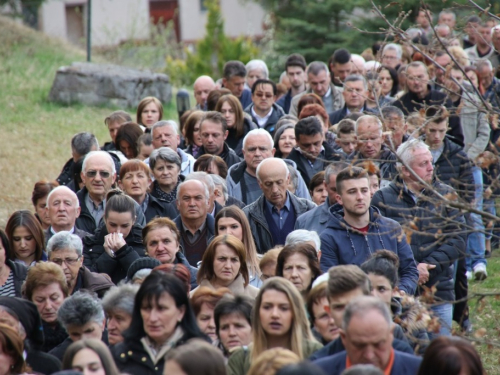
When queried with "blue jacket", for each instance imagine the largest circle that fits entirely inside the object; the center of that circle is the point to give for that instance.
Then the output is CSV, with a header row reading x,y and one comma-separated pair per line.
x,y
340,244
315,219
404,364
285,101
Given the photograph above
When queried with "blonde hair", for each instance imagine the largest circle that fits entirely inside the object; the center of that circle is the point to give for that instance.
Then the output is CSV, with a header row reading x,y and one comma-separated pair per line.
x,y
272,360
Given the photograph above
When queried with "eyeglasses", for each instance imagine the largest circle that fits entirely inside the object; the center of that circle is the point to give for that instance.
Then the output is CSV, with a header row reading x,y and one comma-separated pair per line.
x,y
262,95
92,174
68,261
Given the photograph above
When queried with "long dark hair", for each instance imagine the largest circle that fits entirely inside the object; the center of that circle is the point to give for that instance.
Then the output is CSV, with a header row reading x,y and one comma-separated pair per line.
x,y
25,218
153,287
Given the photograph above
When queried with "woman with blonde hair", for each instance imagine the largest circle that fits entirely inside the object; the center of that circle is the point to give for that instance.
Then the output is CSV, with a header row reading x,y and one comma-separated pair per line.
x,y
149,112
272,360
279,321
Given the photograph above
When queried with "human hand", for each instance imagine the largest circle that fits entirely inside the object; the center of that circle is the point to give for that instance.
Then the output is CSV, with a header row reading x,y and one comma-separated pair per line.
x,y
423,272
113,242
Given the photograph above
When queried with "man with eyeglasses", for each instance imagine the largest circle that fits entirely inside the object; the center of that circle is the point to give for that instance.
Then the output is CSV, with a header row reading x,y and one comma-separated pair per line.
x,y
63,208
263,110
66,250
213,130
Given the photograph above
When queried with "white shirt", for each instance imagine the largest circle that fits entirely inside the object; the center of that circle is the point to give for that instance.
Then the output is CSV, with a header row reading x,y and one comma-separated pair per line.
x,y
261,121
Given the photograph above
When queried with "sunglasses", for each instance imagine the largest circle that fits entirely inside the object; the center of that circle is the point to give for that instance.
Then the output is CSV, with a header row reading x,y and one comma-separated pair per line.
x,y
92,174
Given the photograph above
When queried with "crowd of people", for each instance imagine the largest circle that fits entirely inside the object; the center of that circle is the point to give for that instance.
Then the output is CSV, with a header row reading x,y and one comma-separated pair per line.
x,y
327,224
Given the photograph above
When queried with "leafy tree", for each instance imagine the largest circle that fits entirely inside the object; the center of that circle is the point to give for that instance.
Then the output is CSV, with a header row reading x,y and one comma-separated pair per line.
x,y
26,9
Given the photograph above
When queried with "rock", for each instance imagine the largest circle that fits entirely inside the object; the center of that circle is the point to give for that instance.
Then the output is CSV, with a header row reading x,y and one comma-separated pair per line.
x,y
108,85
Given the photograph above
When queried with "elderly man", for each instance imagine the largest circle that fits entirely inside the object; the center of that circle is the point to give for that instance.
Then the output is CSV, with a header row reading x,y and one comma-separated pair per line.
x,y
395,126
420,95
317,218
391,55
195,224
356,230
66,250
370,139
495,40
318,77
355,94
272,216
437,235
166,134
63,208
213,131
213,206
242,182
234,74
483,49
367,334
202,87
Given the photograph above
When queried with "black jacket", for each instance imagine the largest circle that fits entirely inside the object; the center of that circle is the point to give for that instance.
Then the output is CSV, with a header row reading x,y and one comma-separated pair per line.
x,y
285,101
340,114
78,232
228,155
270,124
387,162
19,272
42,363
157,208
303,165
410,103
96,259
436,234
236,143
210,223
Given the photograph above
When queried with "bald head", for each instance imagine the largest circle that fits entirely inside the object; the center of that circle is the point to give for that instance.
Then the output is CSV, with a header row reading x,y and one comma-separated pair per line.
x,y
273,177
192,201
63,208
202,87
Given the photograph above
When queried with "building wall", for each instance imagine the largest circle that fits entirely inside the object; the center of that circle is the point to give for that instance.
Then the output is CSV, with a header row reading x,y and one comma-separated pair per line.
x,y
240,18
112,20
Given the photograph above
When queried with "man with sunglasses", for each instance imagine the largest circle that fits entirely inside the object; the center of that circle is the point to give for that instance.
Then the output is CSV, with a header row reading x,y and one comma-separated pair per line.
x,y
263,110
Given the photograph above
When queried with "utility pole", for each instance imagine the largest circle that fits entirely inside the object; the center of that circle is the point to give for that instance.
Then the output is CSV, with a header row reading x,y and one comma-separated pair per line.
x,y
89,30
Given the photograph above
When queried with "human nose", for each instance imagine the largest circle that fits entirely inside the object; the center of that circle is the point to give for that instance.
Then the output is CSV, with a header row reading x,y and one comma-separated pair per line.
x,y
232,331
275,312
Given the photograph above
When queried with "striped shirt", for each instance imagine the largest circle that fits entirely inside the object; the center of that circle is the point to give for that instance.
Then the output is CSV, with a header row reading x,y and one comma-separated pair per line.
x,y
8,289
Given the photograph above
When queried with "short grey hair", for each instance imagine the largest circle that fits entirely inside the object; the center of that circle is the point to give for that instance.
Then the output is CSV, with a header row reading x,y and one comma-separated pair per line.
x,y
317,67
363,305
406,150
82,143
166,154
294,176
258,64
65,240
356,78
120,298
162,123
368,118
79,309
67,189
302,235
484,64
203,177
334,169
447,11
105,154
205,189
265,161
219,181
258,132
282,77
394,47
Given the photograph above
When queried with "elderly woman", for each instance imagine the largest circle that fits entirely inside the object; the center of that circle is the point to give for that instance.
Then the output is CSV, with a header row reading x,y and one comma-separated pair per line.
x,y
39,199
162,320
161,239
325,328
256,69
166,167
203,301
12,274
224,265
284,140
46,287
118,304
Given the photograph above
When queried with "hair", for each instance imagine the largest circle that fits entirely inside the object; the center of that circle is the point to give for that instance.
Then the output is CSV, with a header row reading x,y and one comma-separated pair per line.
x,y
165,154
216,117
153,287
219,181
189,125
143,103
237,214
157,223
316,180
204,178
340,56
271,360
383,263
42,275
286,120
315,110
333,169
117,116
451,355
296,59
65,241
346,126
368,119
417,64
42,189
206,270
394,47
258,131
277,136
301,368
129,132
308,126
257,64
306,250
163,123
299,236
79,309
299,329
361,306
363,370
391,110
183,119
98,347
24,218
350,173
203,163
314,296
205,189
120,298
270,258
406,149
206,295
104,154
357,78
117,201
261,82
214,96
179,270
309,98
394,76
209,359
229,304
239,115
345,278
12,345
317,67
134,165
294,176
4,240
436,114
234,69
82,143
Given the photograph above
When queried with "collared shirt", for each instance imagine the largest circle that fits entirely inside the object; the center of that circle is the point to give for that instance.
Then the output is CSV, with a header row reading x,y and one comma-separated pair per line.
x,y
328,93
261,121
279,216
96,212
412,194
193,237
72,230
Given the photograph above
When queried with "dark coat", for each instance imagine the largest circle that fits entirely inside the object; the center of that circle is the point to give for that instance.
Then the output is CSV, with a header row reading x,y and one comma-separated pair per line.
x,y
303,165
193,271
410,103
315,219
341,244
53,336
285,101
386,161
66,175
404,364
60,349
340,114
258,223
236,143
80,233
42,363
270,124
19,272
228,155
434,239
210,223
97,260
94,282
157,208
